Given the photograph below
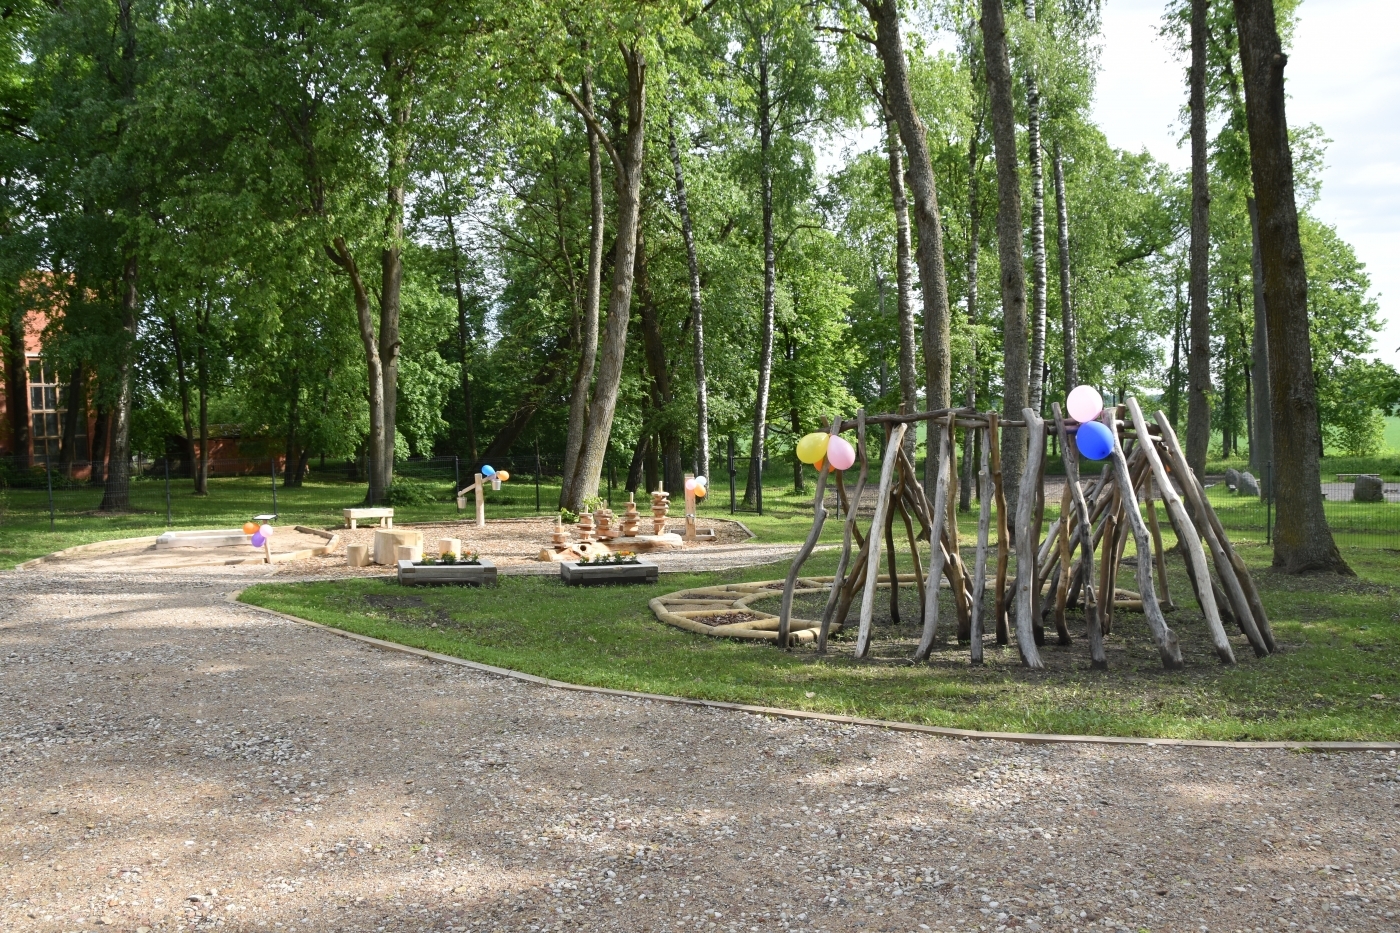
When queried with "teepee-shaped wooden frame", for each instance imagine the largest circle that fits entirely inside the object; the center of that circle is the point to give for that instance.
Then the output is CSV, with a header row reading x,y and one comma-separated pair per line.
x,y
1048,580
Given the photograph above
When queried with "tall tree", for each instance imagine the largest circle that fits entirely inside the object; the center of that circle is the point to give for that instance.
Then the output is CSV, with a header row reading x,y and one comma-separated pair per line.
x,y
1198,358
904,272
1303,541
1036,157
933,277
1068,335
1016,394
697,306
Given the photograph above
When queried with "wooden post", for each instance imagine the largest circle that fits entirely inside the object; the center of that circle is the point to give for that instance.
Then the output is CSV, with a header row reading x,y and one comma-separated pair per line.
x,y
979,573
1069,453
480,487
1026,540
1158,556
1167,645
907,479
839,578
872,564
690,507
1062,583
936,555
1003,535
1219,546
957,578
818,519
895,492
1038,522
1108,583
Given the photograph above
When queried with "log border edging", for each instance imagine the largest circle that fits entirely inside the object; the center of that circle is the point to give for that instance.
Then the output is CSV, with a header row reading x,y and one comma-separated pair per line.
x,y
1025,738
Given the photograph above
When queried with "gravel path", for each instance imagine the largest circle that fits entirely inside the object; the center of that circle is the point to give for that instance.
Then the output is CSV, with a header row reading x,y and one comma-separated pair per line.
x,y
172,761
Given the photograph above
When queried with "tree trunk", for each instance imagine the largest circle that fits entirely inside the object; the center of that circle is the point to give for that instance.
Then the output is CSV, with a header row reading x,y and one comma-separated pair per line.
x,y
391,292
661,395
1015,396
1198,360
464,336
1068,329
97,450
17,387
634,469
588,326
1302,540
1038,272
697,309
289,459
1261,448
752,493
76,406
201,474
974,223
933,279
340,254
627,161
116,496
183,384
904,279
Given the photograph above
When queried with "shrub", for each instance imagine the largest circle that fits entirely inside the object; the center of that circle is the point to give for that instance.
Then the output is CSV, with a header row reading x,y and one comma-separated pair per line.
x,y
410,492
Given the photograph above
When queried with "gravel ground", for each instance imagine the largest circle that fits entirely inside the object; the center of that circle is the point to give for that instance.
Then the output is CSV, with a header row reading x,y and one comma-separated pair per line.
x,y
172,761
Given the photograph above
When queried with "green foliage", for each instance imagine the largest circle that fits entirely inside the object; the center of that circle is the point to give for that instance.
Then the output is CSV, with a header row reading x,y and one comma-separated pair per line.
x,y
407,491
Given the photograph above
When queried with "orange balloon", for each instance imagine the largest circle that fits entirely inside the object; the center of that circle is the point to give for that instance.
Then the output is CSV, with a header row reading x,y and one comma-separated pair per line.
x,y
818,465
250,527
699,492
504,476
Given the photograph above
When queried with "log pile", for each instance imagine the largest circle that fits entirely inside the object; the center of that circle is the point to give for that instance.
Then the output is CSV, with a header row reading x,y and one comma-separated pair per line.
x,y
1145,464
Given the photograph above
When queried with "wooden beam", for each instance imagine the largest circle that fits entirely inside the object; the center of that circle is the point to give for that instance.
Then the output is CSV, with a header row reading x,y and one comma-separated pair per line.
x,y
1026,541
872,564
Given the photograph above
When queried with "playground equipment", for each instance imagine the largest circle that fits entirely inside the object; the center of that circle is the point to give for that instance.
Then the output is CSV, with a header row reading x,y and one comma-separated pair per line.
x,y
1142,457
487,475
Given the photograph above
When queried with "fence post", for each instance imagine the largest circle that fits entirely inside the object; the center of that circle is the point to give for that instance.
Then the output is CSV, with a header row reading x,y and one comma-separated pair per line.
x,y
272,468
456,474
167,493
48,478
731,474
537,476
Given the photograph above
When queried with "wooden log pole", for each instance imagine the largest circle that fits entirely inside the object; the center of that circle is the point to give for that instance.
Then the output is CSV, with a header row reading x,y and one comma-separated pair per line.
x,y
838,580
872,564
1220,550
1026,540
815,533
957,575
906,480
979,570
1158,555
1069,454
890,561
1003,534
1062,579
937,555
1167,645
1251,591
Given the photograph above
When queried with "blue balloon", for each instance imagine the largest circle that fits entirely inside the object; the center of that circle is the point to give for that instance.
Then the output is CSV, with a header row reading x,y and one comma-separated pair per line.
x,y
488,470
1095,440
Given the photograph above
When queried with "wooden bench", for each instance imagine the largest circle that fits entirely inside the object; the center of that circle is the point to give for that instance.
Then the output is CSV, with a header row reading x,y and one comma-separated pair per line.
x,y
385,516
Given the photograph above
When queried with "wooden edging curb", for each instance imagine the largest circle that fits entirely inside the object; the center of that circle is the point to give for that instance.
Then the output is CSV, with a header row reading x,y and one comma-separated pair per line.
x,y
1025,738
82,548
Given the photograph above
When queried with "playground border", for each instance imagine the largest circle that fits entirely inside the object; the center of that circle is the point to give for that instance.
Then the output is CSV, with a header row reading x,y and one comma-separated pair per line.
x,y
1025,738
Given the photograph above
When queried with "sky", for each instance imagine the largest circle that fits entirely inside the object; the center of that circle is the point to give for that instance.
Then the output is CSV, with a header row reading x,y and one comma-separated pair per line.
x,y
1343,74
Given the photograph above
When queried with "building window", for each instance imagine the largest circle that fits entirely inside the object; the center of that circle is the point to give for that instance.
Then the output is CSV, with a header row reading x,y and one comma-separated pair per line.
x,y
48,403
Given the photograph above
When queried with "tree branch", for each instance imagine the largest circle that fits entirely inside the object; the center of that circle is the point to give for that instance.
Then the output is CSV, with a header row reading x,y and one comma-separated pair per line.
x,y
594,126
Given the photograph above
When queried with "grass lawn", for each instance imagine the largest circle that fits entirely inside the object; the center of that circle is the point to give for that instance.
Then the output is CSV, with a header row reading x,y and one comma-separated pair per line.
x,y
1339,638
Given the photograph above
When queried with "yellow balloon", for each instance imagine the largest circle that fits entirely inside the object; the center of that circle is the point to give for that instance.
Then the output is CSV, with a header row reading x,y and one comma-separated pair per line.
x,y
812,447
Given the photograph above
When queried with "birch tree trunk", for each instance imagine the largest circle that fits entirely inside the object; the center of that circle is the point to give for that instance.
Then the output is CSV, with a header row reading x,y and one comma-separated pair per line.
x,y
1015,396
588,326
1038,272
1302,541
752,493
464,336
904,279
974,221
889,44
627,162
1068,329
697,309
1198,359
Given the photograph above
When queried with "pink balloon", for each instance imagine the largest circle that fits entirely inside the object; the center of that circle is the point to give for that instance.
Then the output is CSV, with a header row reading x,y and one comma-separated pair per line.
x,y
841,454
265,531
690,485
1085,404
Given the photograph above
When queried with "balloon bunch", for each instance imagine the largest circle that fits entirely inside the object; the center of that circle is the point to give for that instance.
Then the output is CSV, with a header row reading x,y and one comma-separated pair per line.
x,y
1093,438
491,472
699,485
260,533
815,447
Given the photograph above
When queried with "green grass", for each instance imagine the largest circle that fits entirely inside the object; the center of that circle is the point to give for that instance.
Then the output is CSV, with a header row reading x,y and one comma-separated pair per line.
x,y
1339,638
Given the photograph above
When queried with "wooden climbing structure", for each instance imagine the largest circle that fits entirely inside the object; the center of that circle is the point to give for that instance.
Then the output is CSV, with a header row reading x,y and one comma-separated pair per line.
x,y
1144,464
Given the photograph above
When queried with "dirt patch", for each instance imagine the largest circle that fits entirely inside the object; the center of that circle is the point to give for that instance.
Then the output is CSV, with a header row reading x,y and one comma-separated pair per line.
x,y
725,618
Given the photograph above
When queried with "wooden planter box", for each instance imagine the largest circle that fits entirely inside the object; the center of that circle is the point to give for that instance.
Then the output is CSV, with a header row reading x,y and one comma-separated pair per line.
x,y
575,574
482,574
